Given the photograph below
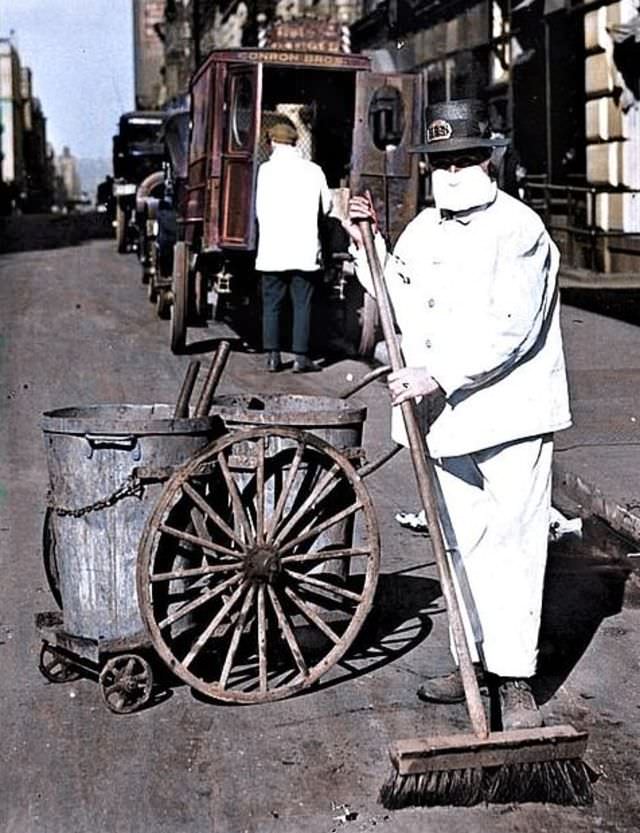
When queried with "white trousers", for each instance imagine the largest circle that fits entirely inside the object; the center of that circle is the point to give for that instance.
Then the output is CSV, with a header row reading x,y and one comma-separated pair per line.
x,y
494,507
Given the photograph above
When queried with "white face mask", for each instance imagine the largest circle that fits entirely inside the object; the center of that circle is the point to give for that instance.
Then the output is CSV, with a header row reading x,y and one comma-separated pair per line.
x,y
463,189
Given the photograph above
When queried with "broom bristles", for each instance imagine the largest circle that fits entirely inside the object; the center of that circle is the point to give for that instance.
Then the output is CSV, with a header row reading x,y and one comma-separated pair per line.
x,y
566,782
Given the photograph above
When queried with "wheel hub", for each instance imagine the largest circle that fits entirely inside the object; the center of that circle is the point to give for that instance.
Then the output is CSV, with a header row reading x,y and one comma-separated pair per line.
x,y
262,564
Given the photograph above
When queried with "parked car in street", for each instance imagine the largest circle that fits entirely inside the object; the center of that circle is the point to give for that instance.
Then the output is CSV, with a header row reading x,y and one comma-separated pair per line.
x,y
138,151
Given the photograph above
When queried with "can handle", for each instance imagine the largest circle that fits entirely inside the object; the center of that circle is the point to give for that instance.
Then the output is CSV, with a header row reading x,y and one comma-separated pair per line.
x,y
128,442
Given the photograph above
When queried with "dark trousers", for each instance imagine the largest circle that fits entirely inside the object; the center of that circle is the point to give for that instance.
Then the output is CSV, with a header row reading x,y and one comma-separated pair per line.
x,y
275,287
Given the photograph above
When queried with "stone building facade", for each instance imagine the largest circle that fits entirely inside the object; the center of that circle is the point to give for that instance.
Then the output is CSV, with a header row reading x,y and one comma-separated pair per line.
x,y
26,180
148,52
561,78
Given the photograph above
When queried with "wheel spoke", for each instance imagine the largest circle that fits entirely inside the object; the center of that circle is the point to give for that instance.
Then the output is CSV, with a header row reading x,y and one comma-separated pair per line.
x,y
129,667
262,640
217,619
316,493
235,637
199,524
316,530
325,586
284,494
200,542
325,555
196,572
238,509
310,613
210,512
288,633
205,597
260,492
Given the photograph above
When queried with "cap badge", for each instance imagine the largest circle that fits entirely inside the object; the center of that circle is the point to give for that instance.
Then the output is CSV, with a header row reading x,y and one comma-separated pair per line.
x,y
439,130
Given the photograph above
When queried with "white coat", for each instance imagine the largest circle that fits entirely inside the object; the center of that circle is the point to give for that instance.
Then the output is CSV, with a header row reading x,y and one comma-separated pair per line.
x,y
290,192
476,301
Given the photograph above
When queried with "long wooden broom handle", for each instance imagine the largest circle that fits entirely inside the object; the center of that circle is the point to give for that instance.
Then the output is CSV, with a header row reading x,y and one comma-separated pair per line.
x,y
425,476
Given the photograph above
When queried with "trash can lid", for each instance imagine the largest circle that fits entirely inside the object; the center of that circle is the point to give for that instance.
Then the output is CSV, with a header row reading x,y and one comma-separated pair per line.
x,y
118,419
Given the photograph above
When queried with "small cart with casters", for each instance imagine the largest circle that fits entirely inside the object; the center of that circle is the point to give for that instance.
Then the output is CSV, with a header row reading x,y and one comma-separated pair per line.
x,y
251,565
106,466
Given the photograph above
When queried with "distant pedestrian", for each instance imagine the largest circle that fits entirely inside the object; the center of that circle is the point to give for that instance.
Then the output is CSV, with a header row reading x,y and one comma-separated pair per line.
x,y
292,193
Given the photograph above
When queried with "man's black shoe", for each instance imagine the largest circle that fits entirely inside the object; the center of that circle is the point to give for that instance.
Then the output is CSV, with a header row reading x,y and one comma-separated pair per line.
x,y
447,688
274,362
518,706
302,364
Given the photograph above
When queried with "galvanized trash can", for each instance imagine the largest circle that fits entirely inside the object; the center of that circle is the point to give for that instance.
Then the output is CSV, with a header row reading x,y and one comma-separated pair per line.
x,y
334,420
107,465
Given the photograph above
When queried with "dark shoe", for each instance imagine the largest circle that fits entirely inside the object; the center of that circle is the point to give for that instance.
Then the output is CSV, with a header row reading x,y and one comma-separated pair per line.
x,y
274,362
447,688
518,706
302,364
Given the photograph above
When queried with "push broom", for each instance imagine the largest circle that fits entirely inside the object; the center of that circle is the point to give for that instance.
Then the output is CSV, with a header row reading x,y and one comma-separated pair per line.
x,y
520,765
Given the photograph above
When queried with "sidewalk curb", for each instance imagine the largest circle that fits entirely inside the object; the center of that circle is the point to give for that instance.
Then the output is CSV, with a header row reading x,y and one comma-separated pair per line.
x,y
593,501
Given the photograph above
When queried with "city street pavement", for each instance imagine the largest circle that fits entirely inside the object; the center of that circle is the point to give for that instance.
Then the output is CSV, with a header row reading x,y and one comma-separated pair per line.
x,y
77,329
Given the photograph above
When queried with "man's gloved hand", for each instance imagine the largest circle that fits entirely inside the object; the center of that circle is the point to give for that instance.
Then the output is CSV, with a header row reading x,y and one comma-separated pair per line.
x,y
411,382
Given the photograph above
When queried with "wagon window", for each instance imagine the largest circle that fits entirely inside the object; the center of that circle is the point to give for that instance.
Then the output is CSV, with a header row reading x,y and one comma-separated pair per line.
x,y
386,117
241,112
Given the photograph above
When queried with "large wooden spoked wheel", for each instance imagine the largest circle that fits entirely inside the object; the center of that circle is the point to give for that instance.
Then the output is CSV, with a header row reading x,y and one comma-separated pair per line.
x,y
249,580
180,306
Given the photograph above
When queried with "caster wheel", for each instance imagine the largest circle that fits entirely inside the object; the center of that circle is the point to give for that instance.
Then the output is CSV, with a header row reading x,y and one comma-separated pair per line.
x,y
126,682
55,667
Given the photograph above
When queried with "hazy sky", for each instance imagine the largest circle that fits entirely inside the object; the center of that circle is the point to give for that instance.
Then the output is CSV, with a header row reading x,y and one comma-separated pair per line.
x,y
81,56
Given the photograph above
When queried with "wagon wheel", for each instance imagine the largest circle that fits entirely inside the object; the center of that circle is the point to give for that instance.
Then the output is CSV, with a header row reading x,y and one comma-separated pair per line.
x,y
126,682
121,230
163,304
179,307
55,667
152,292
200,297
50,557
234,579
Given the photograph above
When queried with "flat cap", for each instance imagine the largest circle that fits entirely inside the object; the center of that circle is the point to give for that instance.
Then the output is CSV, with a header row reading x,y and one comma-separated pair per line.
x,y
283,132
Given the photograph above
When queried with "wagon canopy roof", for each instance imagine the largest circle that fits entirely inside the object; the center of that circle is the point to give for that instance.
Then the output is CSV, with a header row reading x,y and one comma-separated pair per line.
x,y
287,57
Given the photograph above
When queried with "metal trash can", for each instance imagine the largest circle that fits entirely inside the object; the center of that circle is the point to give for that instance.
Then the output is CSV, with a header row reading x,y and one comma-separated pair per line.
x,y
107,464
337,421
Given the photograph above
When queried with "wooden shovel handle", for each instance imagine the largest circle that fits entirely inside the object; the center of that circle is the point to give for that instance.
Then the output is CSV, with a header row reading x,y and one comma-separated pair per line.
x,y
425,477
213,377
184,397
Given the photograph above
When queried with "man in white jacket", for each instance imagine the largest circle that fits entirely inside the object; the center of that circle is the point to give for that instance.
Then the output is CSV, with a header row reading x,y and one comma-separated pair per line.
x,y
473,287
290,194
